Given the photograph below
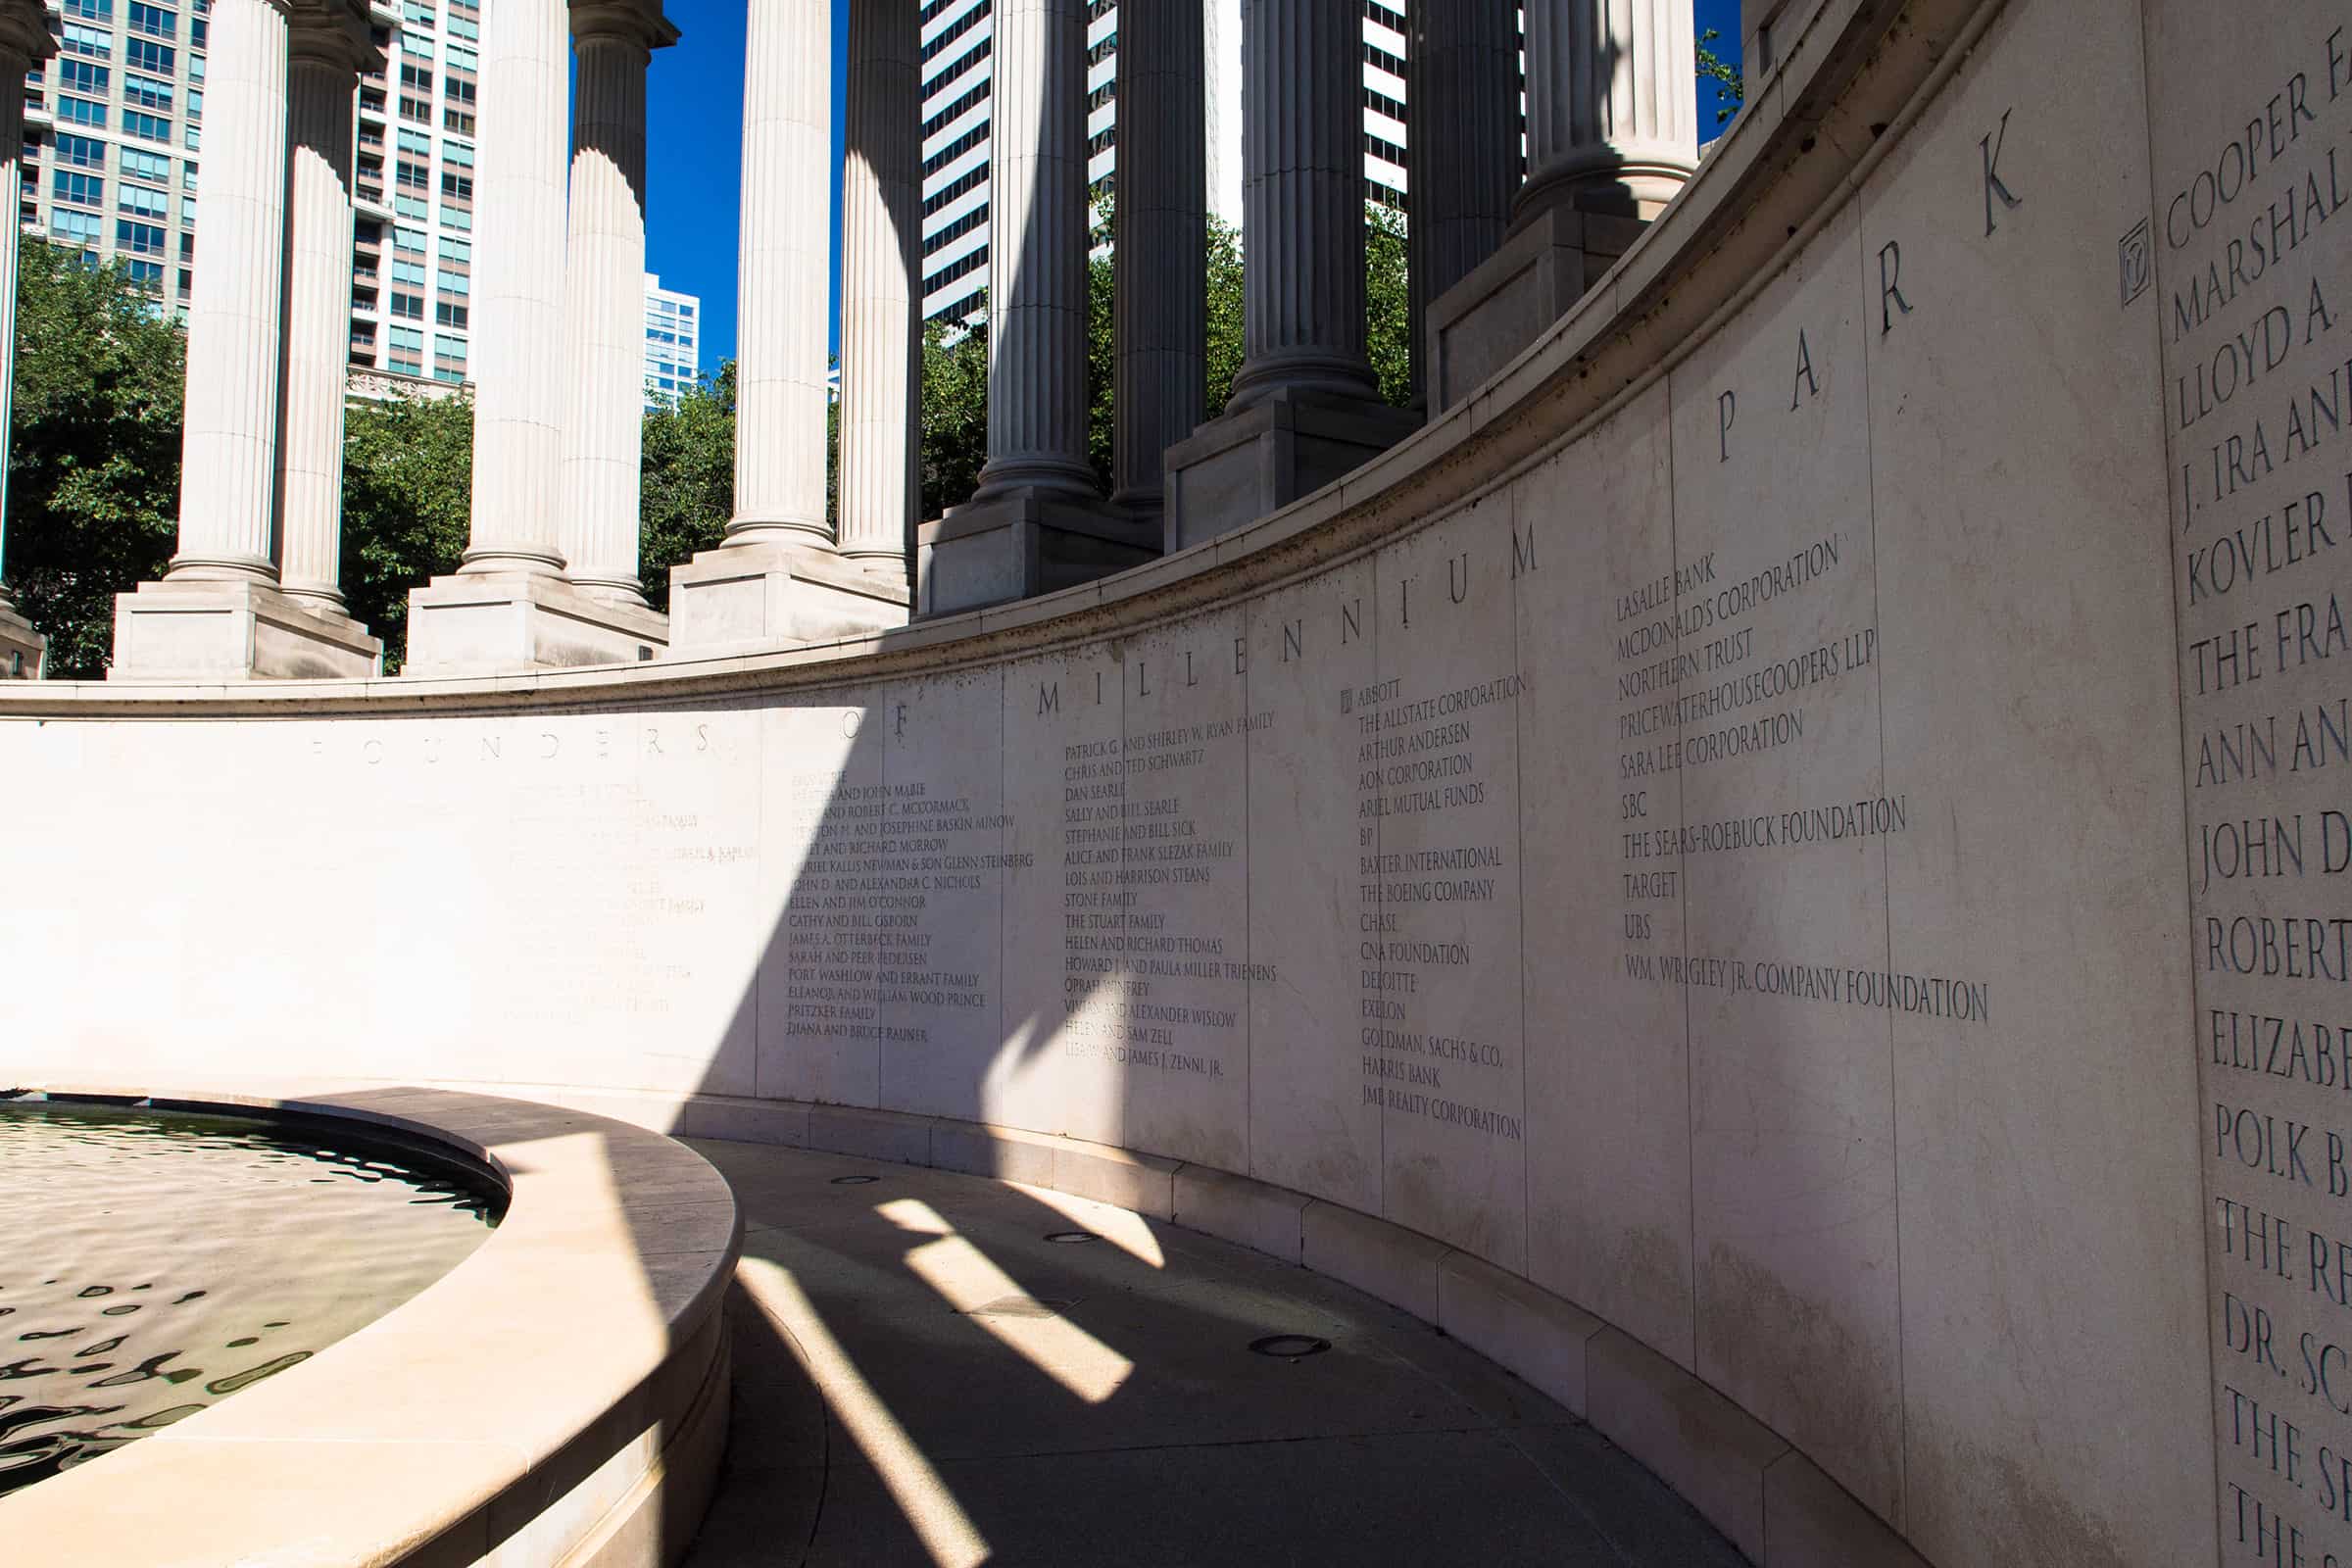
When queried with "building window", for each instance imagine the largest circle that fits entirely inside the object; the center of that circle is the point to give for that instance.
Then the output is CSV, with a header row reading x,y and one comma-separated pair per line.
x,y
459,28
145,54
448,315
148,275
81,111
94,10
80,151
410,240
419,142
456,120
449,282
139,239
147,127
406,347
199,32
457,187
410,207
456,251
80,75
140,202
95,42
407,307
154,167
409,273
461,58
147,92
154,21
77,229
411,177
416,45
86,189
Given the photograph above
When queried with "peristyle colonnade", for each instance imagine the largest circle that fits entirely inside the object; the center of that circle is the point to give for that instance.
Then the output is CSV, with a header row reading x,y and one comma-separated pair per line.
x,y
550,576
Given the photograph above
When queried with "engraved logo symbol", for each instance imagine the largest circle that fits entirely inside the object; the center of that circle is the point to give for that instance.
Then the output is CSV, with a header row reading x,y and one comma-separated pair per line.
x,y
2132,255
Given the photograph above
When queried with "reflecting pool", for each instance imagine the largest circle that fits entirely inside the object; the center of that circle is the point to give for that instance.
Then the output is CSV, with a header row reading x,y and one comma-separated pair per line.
x,y
153,1263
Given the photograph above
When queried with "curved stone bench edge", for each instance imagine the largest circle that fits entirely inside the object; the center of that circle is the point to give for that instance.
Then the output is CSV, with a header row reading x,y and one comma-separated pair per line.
x,y
611,1465
1773,1501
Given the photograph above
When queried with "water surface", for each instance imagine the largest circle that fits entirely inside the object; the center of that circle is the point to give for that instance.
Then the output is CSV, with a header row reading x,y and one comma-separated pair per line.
x,y
153,1263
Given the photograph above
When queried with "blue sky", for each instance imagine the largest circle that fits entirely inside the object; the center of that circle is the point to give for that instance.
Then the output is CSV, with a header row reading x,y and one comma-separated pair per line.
x,y
694,150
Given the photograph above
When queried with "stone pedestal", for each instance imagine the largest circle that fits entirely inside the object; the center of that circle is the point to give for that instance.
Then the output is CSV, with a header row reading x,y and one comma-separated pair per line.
x,y
480,625
1507,301
199,629
24,651
1242,465
754,598
1024,544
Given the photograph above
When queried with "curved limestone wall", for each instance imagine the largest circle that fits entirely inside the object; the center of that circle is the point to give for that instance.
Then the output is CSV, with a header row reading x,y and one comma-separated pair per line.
x,y
1799,819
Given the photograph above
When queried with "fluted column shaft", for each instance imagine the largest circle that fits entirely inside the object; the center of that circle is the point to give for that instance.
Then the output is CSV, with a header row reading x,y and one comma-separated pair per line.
x,y
783,280
881,251
1037,245
1612,105
1303,201
604,432
15,61
1160,267
325,81
228,446
519,369
1462,152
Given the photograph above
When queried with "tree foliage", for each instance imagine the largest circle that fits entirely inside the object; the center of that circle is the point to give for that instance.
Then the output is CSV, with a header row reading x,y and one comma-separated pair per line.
x,y
93,480
954,413
687,478
407,480
1720,73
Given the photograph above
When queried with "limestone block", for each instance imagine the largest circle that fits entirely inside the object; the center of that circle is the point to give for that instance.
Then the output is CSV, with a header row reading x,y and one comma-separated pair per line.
x,y
1517,1325
499,621
1007,1154
1503,305
1246,465
1022,545
1237,1210
870,1133
1812,1522
749,598
1389,1261
749,1121
1699,1442
205,630
24,651
1307,657
1144,1183
1600,1032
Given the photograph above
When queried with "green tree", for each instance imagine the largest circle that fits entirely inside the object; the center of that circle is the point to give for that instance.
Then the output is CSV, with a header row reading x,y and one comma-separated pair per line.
x,y
1387,305
93,481
687,478
955,414
407,479
1720,73
1224,312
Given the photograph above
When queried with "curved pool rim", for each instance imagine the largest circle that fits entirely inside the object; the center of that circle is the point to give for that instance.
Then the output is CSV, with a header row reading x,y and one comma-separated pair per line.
x,y
558,1397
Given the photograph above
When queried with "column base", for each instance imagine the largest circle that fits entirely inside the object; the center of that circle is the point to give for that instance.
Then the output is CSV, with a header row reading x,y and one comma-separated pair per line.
x,y
221,629
1508,300
463,625
1242,465
24,651
1021,545
756,598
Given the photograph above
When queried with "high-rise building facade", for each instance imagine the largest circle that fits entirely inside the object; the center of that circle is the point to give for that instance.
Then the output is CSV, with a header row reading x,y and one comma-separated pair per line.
x,y
956,48
114,147
113,128
673,336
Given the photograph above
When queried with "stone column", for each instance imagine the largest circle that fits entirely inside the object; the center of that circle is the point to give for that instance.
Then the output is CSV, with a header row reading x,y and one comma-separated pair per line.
x,y
23,42
228,448
881,254
783,276
1462,153
1612,105
1161,298
1037,246
604,435
519,369
327,55
1303,201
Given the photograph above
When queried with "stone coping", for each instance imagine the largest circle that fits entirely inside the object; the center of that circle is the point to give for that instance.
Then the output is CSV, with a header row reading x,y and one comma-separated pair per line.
x,y
557,1396
1851,74
1774,1502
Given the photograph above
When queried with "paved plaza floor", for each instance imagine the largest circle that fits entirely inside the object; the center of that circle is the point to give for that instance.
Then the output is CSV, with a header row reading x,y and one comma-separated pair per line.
x,y
935,1370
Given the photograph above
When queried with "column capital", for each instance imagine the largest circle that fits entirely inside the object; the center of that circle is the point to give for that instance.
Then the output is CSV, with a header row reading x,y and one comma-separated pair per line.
x,y
25,31
332,32
637,21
